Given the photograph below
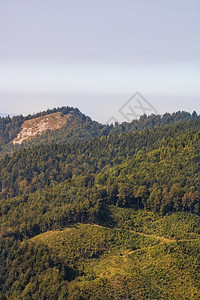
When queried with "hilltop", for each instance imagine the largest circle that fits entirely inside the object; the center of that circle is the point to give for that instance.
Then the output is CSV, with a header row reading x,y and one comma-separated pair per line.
x,y
68,125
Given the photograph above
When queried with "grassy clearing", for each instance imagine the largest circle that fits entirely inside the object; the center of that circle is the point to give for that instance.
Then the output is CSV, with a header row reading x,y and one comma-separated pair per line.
x,y
115,263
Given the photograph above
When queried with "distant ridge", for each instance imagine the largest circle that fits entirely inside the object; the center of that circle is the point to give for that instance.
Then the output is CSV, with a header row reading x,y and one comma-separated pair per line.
x,y
67,125
3,115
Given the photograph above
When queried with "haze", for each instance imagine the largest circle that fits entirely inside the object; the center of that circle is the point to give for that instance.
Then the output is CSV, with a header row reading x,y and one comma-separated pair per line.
x,y
95,55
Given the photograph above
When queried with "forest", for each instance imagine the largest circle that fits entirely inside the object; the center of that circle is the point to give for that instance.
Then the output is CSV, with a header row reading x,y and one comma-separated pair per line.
x,y
112,215
81,128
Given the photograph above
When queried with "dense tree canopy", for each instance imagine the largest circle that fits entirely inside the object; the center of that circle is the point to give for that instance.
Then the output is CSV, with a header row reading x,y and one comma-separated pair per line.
x,y
113,213
80,128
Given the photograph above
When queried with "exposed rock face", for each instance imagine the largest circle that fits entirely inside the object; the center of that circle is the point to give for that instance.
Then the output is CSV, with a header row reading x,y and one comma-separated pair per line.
x,y
31,128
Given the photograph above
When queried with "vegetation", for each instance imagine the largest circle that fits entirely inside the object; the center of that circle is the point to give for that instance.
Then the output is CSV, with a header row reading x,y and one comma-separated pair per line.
x,y
10,127
90,262
115,215
80,128
155,169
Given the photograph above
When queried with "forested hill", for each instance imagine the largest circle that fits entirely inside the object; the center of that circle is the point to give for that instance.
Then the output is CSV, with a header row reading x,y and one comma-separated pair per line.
x,y
67,125
28,170
113,217
56,185
74,125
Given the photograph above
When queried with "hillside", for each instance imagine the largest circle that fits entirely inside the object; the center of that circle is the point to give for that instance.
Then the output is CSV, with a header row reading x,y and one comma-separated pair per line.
x,y
61,125
93,262
37,126
114,216
67,125
62,185
163,150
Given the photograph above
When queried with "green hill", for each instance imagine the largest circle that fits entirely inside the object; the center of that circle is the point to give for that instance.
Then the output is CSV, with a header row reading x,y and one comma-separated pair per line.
x,y
112,216
92,262
71,126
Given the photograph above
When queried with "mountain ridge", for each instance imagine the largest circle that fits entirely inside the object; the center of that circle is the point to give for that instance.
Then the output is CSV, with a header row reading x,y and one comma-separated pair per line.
x,y
78,127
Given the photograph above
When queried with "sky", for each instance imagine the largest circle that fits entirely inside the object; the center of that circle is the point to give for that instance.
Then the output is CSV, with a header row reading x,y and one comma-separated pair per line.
x,y
112,59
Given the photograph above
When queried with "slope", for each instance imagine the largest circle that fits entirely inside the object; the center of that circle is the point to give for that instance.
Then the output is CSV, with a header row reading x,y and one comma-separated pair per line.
x,y
163,177
71,125
136,196
90,262
163,148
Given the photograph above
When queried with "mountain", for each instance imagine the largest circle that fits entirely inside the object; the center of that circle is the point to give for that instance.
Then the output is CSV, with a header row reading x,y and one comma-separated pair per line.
x,y
91,211
67,125
62,125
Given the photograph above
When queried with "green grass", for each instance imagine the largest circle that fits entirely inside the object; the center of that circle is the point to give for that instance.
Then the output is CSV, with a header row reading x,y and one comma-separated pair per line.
x,y
119,264
142,256
83,242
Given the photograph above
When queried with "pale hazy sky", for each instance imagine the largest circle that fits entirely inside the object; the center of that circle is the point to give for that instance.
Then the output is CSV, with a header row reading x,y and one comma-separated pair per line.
x,y
95,54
